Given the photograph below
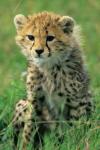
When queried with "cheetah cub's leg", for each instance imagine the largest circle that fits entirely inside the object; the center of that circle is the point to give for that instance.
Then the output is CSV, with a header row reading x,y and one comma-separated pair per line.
x,y
28,127
18,120
22,123
34,91
26,109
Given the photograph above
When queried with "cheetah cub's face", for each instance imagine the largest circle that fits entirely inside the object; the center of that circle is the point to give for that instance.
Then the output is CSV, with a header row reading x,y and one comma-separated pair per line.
x,y
44,36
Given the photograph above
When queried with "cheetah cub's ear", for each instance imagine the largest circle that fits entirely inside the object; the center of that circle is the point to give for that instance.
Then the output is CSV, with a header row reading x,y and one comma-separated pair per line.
x,y
19,21
67,24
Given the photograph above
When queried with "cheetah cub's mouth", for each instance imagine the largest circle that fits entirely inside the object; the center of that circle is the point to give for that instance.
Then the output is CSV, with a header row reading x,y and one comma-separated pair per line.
x,y
38,60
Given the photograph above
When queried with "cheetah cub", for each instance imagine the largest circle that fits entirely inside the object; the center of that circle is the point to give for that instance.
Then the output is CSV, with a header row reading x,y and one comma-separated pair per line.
x,y
57,81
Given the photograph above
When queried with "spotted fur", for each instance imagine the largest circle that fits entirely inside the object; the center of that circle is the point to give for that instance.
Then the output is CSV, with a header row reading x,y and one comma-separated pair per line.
x,y
57,81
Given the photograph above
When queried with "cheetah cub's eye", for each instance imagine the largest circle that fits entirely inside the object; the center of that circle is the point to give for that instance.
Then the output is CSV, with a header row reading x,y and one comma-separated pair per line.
x,y
30,37
50,38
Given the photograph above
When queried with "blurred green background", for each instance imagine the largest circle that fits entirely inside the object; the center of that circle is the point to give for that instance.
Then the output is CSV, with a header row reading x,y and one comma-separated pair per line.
x,y
12,63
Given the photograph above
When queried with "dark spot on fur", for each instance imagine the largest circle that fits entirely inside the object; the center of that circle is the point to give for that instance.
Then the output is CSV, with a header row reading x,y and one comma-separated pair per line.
x,y
88,110
20,114
67,90
22,124
32,86
89,104
27,137
46,31
42,99
68,95
74,84
58,67
74,89
73,107
16,118
32,78
16,126
63,72
31,71
71,84
83,103
28,82
55,75
48,24
25,109
70,66
16,111
25,131
33,119
38,112
18,105
67,60
61,49
30,125
66,112
71,73
41,76
29,134
68,100
39,88
34,102
31,129
60,94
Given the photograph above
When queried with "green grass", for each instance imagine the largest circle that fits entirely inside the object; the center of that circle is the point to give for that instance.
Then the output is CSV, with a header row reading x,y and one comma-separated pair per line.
x,y
12,64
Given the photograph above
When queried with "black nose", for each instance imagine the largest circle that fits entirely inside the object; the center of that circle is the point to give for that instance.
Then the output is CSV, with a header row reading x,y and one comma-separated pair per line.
x,y
39,51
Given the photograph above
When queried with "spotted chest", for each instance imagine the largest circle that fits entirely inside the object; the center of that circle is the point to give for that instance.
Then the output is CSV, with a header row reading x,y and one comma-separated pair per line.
x,y
60,87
